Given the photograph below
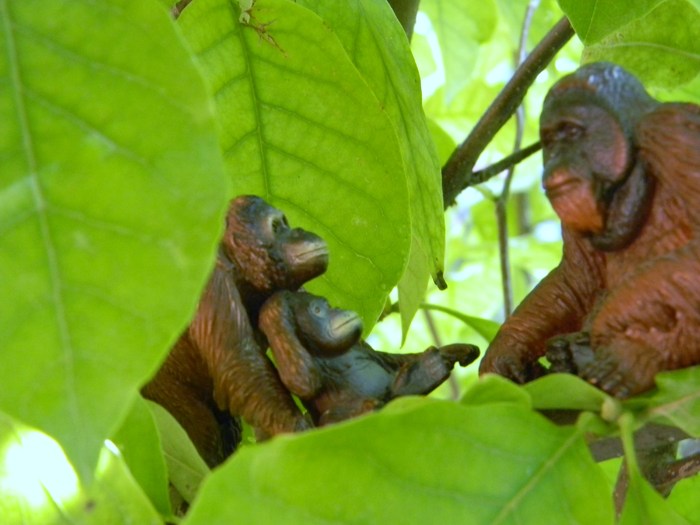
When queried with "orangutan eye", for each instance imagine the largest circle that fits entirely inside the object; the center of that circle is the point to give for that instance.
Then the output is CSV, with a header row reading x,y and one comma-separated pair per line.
x,y
279,224
569,131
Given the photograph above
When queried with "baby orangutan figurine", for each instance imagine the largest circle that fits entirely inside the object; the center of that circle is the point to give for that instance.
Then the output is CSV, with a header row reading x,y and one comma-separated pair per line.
x,y
622,172
322,360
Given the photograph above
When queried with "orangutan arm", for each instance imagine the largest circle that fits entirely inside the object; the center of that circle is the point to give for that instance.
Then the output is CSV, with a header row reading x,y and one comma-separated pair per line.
x,y
557,305
245,381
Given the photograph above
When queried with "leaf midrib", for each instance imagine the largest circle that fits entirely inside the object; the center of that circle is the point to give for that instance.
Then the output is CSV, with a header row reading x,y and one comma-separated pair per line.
x,y
40,205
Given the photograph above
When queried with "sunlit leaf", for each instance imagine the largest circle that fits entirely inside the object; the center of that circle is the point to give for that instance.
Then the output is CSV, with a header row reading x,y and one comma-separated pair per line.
x,y
460,27
662,48
595,20
443,142
395,466
301,128
39,485
689,92
115,497
111,201
35,475
380,51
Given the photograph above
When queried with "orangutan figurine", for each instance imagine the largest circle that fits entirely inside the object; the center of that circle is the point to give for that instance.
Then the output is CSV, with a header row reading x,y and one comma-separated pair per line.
x,y
622,172
323,361
218,369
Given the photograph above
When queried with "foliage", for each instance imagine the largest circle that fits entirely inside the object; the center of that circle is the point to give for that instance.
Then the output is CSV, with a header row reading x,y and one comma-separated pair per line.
x,y
124,133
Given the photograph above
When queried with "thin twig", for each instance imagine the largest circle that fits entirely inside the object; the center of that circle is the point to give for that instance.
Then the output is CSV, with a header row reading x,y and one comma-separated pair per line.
x,y
457,171
502,201
505,163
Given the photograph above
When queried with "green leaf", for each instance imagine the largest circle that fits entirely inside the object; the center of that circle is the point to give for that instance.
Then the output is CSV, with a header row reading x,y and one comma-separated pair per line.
x,y
429,462
301,128
379,49
34,475
662,48
461,27
677,400
493,388
684,499
116,497
565,391
139,444
595,20
444,143
186,468
484,327
112,196
39,485
644,505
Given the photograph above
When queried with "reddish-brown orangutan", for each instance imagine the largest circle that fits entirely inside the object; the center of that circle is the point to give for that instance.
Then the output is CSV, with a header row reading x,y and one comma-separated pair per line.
x,y
323,361
218,369
622,172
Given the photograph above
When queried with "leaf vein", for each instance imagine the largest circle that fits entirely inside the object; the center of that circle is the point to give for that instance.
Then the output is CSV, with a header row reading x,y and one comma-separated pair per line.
x,y
57,300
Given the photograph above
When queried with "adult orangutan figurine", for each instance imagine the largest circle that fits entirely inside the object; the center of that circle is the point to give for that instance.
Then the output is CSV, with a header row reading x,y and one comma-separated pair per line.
x,y
622,172
218,369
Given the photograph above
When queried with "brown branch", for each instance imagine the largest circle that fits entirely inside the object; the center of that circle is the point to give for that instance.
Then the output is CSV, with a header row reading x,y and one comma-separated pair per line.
x,y
676,471
456,174
494,169
502,202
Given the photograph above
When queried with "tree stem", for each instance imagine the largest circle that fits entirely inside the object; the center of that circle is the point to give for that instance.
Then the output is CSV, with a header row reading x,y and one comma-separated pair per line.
x,y
456,174
502,202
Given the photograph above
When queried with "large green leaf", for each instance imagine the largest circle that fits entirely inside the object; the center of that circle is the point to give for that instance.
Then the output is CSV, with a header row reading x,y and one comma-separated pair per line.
x,y
418,461
595,20
661,48
111,201
379,49
301,128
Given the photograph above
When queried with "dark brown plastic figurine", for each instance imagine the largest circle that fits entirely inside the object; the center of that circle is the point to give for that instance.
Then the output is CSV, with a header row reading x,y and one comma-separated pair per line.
x,y
622,172
323,361
218,368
